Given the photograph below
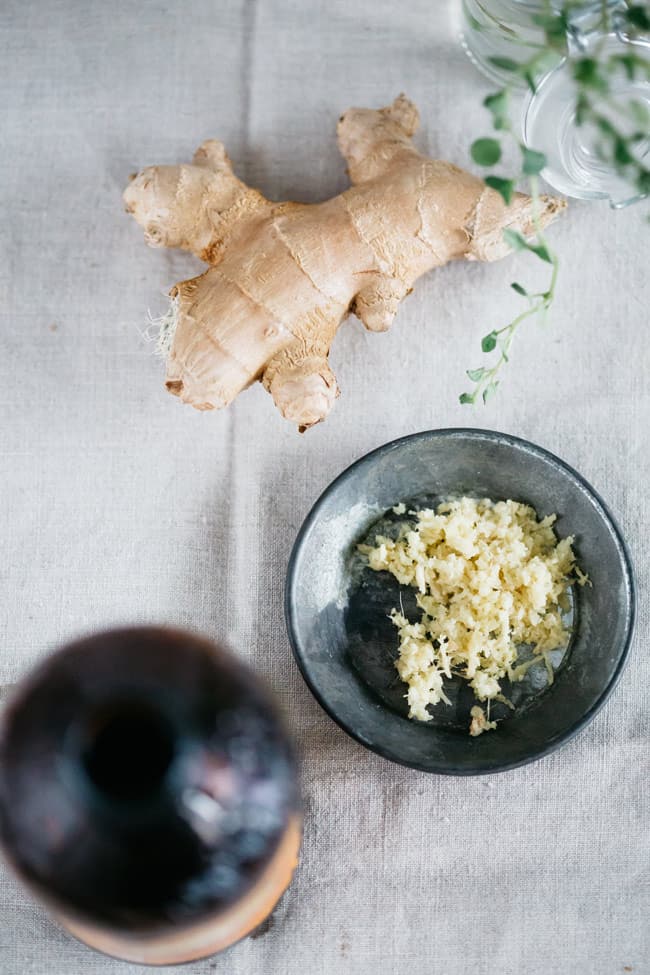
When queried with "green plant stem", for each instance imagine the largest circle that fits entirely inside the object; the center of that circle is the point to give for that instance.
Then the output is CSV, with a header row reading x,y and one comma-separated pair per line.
x,y
539,304
549,294
489,380
591,75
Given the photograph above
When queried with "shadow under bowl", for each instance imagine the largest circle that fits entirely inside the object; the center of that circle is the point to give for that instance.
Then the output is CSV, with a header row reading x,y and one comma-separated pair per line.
x,y
337,615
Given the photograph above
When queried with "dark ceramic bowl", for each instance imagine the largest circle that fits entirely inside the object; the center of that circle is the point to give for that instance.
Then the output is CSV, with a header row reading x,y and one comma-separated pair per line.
x,y
337,610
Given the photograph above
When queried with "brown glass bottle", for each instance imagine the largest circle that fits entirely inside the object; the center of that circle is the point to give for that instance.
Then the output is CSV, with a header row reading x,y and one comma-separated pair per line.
x,y
148,794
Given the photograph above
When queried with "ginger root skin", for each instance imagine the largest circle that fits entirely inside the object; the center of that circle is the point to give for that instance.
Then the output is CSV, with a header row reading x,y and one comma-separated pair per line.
x,y
283,276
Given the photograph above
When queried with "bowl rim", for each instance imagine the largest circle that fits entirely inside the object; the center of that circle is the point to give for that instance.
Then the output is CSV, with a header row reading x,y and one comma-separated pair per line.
x,y
472,433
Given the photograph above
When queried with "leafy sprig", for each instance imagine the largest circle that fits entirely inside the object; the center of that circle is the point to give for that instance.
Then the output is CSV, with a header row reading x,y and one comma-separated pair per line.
x,y
487,152
592,75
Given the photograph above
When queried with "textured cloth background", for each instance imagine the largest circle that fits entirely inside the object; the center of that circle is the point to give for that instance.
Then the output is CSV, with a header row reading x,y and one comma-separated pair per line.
x,y
120,505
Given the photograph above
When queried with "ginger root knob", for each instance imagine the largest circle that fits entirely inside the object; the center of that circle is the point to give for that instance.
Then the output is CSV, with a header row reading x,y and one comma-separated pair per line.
x,y
283,276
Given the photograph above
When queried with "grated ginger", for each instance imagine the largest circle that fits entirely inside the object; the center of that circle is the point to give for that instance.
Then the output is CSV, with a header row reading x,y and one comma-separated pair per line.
x,y
490,577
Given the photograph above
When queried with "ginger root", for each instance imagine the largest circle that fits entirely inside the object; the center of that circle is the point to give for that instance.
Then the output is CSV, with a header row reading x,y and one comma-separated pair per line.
x,y
283,276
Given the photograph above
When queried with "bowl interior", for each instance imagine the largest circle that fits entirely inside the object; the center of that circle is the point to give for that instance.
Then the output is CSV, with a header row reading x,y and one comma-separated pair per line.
x,y
345,645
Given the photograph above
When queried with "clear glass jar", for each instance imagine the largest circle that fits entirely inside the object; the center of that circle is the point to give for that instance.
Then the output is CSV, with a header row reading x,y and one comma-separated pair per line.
x,y
497,29
575,164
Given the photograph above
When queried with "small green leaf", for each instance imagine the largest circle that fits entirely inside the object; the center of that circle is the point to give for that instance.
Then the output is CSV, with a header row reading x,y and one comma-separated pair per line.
x,y
485,152
555,26
505,187
476,374
515,240
643,182
641,65
466,398
605,126
534,161
519,289
586,71
550,23
497,105
542,252
497,101
628,62
638,16
505,64
530,81
622,154
490,390
518,243
489,342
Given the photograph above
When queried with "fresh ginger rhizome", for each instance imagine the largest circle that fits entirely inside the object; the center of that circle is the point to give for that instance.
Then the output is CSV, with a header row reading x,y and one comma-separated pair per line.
x,y
283,276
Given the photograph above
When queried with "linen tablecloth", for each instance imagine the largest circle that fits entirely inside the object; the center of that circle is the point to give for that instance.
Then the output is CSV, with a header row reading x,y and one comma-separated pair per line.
x,y
121,505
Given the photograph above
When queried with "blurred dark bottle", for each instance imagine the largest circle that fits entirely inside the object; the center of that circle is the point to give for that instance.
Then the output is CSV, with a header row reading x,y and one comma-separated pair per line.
x,y
148,794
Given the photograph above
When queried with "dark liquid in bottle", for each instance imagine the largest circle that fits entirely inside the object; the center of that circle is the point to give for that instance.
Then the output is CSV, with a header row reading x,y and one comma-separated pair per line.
x,y
147,790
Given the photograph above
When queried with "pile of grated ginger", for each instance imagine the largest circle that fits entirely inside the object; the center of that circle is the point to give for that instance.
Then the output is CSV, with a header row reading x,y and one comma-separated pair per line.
x,y
490,577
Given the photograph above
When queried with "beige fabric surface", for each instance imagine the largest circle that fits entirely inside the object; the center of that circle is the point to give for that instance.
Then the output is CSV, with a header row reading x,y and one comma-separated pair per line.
x,y
119,504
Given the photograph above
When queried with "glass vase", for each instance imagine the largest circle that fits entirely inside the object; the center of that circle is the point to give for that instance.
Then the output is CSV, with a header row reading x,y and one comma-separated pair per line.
x,y
577,165
494,31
